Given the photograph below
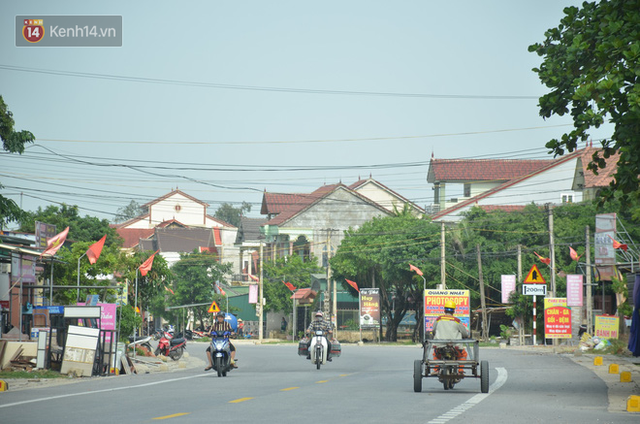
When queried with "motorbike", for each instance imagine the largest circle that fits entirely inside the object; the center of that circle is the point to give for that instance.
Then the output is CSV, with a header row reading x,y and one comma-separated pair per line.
x,y
221,353
318,349
448,375
171,346
141,341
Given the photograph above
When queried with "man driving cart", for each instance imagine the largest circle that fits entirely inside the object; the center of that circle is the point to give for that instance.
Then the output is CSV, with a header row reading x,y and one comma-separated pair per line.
x,y
448,327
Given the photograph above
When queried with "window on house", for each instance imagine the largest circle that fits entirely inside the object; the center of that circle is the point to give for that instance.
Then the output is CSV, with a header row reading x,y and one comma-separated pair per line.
x,y
467,190
567,198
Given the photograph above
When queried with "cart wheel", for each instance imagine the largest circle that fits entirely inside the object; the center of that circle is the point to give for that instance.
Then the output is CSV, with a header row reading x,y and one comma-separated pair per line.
x,y
484,377
417,376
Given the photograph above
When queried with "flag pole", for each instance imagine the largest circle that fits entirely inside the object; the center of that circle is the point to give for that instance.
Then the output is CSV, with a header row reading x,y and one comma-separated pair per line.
x,y
78,292
424,310
135,311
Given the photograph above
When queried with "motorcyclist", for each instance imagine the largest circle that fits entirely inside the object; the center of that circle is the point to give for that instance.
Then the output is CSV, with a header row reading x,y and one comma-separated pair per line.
x,y
448,327
320,324
220,326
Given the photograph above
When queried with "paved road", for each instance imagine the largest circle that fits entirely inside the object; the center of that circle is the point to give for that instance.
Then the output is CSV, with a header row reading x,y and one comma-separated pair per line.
x,y
371,384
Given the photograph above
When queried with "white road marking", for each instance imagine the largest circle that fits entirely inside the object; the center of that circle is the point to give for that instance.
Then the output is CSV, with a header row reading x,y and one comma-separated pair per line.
x,y
24,402
449,415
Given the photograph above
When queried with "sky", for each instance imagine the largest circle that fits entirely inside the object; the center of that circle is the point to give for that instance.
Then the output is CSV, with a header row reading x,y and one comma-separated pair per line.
x,y
224,100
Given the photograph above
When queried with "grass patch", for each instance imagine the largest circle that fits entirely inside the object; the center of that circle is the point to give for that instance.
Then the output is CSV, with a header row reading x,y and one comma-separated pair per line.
x,y
31,374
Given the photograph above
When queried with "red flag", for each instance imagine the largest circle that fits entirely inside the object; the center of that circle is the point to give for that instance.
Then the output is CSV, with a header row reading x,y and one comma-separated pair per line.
x,y
290,286
574,254
543,260
253,277
93,253
168,289
353,284
55,243
618,245
146,265
415,269
220,290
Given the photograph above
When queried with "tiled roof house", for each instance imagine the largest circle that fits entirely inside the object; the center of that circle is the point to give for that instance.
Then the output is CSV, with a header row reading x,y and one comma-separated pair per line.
x,y
538,182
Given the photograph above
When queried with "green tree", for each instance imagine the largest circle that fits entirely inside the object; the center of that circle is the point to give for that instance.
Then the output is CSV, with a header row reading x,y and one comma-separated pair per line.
x,y
12,142
195,276
590,65
83,231
228,213
378,254
291,269
132,210
87,228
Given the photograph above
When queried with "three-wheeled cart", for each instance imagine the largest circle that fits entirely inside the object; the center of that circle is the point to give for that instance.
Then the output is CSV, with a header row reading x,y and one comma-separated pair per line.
x,y
441,360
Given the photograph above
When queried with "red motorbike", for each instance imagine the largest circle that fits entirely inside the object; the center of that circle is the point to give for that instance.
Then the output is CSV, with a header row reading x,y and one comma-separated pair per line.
x,y
170,346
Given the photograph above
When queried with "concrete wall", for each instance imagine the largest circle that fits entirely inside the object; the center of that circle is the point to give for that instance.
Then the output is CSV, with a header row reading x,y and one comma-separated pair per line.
x,y
30,349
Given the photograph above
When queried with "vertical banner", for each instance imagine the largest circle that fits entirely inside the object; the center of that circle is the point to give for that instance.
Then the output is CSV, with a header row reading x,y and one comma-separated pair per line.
x,y
123,294
605,256
434,306
23,268
557,318
369,308
508,286
574,290
607,326
253,293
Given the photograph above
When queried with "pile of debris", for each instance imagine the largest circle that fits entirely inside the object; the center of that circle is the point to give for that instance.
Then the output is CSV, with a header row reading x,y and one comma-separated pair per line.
x,y
18,361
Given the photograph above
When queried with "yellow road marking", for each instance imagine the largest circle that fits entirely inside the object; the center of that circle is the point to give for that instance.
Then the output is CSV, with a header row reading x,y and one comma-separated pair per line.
x,y
343,375
240,400
321,381
172,416
289,388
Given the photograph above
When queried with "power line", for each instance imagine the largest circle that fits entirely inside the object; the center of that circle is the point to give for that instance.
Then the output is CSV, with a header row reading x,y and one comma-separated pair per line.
x,y
147,80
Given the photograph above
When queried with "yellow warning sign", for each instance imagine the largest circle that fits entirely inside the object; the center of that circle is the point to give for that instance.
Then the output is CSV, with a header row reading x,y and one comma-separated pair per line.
x,y
534,276
213,308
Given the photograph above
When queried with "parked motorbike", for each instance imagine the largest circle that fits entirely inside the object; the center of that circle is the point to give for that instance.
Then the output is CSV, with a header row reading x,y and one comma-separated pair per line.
x,y
221,353
171,346
141,341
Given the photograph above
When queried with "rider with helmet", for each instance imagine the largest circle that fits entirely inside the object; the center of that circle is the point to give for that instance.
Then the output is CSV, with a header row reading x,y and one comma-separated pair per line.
x,y
448,327
220,326
320,324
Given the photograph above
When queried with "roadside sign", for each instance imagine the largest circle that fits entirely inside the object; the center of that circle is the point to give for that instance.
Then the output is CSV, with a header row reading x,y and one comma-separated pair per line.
x,y
534,289
213,308
534,276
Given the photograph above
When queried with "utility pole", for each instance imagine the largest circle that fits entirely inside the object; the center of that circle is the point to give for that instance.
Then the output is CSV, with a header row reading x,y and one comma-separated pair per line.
x,y
519,263
260,301
518,280
443,274
588,278
483,304
334,306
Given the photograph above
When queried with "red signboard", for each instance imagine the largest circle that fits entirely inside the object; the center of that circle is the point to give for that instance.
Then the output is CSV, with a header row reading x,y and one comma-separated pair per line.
x,y
557,322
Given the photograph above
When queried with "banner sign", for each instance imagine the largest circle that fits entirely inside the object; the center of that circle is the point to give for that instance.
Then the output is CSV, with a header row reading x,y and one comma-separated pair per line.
x,y
23,268
605,256
574,290
508,286
253,293
369,308
557,318
607,326
434,301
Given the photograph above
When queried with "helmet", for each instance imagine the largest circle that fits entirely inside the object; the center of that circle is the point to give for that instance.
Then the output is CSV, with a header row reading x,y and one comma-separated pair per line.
x,y
319,314
449,306
220,314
